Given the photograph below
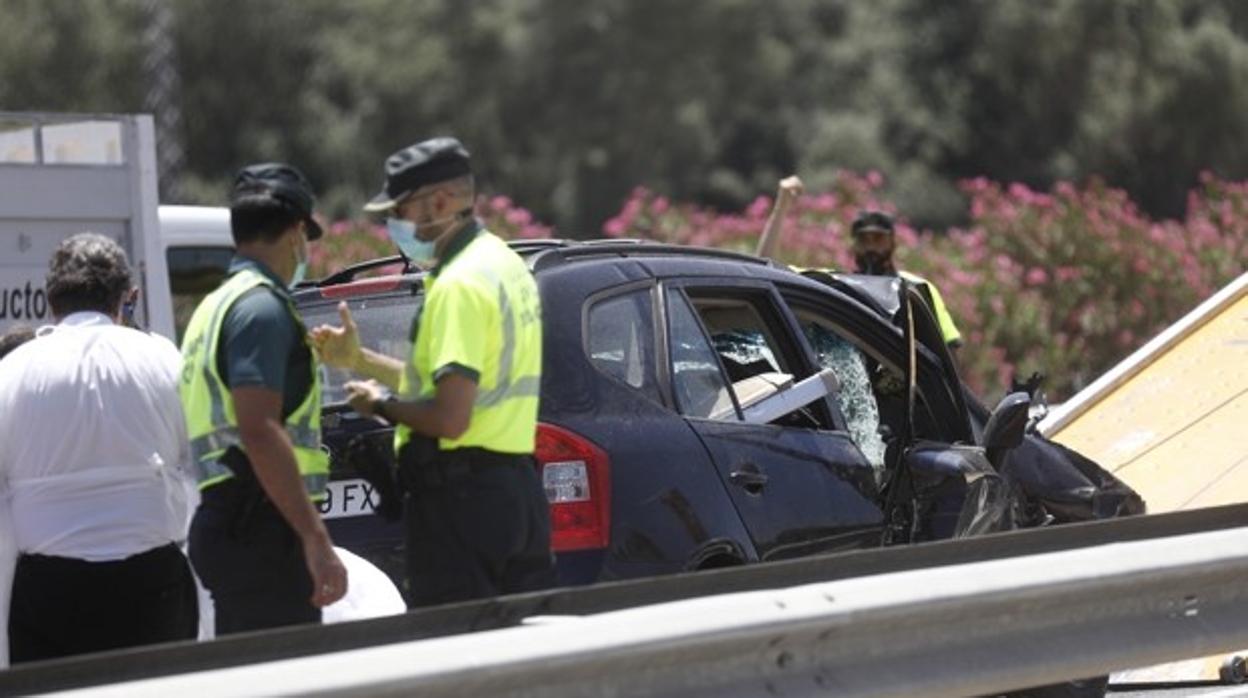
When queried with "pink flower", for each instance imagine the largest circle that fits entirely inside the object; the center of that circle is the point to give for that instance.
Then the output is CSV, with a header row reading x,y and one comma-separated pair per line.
x,y
1036,276
519,217
759,208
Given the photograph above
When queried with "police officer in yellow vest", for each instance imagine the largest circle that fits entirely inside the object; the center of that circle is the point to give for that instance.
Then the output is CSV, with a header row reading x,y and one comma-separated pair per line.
x,y
476,515
874,242
252,398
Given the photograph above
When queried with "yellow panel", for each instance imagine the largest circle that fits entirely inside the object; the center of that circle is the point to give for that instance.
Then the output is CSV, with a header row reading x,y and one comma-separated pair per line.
x,y
1181,423
1199,463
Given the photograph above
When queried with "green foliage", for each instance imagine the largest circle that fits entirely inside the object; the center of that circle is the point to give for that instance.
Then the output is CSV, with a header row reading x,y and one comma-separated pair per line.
x,y
65,55
569,105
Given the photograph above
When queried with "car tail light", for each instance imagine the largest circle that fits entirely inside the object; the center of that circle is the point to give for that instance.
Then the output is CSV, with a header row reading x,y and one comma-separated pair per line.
x,y
577,478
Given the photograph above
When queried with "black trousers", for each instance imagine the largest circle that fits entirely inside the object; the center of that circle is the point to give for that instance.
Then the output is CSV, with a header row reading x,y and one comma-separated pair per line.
x,y
250,560
478,525
64,606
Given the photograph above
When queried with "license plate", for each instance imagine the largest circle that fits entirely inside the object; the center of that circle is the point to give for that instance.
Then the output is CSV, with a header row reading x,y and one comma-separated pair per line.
x,y
345,498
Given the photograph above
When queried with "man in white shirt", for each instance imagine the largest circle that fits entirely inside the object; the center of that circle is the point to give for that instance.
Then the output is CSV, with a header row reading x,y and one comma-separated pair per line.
x,y
94,471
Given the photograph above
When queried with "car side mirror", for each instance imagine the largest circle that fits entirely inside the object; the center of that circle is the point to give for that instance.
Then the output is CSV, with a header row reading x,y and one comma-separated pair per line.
x,y
1007,425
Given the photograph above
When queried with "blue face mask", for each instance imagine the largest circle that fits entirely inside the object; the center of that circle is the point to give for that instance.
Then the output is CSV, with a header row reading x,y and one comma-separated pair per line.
x,y
301,267
403,233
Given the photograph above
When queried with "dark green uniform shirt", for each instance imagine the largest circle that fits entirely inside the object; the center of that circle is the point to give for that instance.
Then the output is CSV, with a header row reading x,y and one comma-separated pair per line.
x,y
260,342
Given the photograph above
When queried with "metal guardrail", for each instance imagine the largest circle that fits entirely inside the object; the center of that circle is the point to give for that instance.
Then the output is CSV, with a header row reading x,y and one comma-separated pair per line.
x,y
955,630
509,611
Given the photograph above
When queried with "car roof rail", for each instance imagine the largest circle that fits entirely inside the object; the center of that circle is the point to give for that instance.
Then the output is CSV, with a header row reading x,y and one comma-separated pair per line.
x,y
534,245
348,273
630,247
547,252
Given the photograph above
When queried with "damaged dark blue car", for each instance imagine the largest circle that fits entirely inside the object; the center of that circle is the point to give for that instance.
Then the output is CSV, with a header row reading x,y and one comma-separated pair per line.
x,y
702,409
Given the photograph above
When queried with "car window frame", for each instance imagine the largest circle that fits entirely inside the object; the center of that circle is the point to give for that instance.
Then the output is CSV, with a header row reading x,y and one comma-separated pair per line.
x,y
678,291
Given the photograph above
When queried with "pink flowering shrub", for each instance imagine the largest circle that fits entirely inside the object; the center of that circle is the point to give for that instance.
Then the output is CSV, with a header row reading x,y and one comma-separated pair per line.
x,y
348,242
1070,281
510,221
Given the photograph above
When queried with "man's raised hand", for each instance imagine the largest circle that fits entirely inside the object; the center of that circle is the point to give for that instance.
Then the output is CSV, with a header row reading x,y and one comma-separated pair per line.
x,y
338,346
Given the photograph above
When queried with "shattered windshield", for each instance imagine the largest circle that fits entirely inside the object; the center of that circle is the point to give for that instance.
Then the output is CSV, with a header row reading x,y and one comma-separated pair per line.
x,y
855,398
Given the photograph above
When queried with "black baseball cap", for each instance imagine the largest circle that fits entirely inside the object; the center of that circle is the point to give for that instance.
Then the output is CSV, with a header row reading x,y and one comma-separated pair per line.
x,y
872,221
428,162
281,182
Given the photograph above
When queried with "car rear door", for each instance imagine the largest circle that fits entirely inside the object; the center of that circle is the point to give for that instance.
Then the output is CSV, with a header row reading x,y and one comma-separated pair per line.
x,y
800,483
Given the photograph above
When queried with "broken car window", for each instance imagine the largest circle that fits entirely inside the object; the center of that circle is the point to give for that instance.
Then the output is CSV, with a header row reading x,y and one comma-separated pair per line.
x,y
751,356
855,398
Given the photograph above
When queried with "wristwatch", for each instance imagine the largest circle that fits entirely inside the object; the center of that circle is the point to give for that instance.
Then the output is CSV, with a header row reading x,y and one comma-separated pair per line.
x,y
379,408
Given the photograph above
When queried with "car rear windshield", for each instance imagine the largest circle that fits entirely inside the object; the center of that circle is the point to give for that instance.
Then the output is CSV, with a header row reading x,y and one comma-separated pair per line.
x,y
385,325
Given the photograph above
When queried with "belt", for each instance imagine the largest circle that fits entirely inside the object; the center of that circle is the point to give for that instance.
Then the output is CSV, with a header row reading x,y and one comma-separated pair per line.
x,y
449,467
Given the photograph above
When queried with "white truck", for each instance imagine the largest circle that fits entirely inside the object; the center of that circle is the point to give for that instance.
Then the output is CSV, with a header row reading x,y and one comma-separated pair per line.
x,y
62,174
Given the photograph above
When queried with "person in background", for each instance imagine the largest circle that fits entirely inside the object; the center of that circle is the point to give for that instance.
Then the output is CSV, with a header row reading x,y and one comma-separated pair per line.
x,y
874,239
874,243
94,469
252,395
477,520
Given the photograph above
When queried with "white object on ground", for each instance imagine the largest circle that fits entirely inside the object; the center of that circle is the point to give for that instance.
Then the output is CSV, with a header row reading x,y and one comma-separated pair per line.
x,y
370,593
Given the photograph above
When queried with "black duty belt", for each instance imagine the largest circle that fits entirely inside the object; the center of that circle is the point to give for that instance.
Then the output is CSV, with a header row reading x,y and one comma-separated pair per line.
x,y
442,468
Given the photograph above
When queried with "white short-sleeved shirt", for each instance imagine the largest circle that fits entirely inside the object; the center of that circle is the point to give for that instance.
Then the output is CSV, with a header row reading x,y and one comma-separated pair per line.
x,y
94,459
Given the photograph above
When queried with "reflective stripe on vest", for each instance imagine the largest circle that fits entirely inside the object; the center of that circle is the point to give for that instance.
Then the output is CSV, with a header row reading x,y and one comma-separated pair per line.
x,y
211,423
504,386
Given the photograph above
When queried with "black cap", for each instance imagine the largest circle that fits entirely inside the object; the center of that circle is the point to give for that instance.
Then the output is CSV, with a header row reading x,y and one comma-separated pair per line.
x,y
872,221
428,162
275,180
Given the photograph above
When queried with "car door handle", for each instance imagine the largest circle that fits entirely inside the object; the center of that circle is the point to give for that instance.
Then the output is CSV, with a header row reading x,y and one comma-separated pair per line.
x,y
751,480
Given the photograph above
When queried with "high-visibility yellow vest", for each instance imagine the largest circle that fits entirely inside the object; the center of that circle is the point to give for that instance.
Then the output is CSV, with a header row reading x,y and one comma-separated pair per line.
x,y
210,419
484,303
948,330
